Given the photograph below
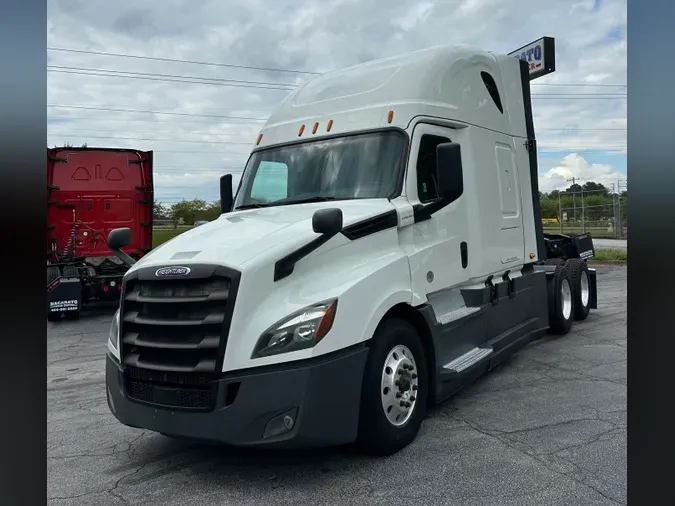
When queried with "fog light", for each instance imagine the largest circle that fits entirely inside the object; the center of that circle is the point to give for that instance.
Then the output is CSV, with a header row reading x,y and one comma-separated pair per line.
x,y
280,424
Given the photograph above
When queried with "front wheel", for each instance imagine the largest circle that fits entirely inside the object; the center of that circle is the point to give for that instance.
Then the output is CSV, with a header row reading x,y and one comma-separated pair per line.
x,y
395,389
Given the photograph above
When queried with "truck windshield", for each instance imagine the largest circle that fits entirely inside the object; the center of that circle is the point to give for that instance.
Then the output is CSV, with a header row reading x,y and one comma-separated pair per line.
x,y
362,166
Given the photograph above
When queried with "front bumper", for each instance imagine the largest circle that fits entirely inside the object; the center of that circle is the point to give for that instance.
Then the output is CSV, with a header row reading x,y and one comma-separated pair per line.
x,y
321,396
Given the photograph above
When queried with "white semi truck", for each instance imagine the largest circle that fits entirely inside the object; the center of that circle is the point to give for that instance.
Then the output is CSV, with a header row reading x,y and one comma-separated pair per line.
x,y
384,248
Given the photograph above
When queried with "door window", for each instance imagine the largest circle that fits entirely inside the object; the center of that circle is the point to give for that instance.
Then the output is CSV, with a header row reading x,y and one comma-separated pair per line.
x,y
427,188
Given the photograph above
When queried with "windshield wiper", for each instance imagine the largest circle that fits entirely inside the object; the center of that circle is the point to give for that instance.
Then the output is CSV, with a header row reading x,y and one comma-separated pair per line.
x,y
251,206
307,200
310,200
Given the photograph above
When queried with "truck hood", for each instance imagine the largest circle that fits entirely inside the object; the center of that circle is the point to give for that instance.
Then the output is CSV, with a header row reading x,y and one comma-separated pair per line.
x,y
238,237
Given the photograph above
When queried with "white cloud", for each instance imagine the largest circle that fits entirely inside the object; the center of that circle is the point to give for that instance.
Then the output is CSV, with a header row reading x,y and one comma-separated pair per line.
x,y
314,35
575,166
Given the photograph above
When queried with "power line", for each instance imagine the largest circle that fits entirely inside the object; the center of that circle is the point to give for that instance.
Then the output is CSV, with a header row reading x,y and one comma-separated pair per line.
x,y
537,96
137,111
148,76
94,130
581,85
176,60
148,120
172,76
269,69
184,81
579,94
581,129
151,139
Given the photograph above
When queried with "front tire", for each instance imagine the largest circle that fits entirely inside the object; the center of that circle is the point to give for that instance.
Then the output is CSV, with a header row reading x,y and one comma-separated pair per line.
x,y
395,389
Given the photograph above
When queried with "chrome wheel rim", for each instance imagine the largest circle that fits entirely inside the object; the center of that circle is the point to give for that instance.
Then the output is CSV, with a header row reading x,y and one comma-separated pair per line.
x,y
399,385
585,290
566,295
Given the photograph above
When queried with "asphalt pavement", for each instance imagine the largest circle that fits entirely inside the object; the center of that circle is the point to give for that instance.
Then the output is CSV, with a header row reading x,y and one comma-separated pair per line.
x,y
546,428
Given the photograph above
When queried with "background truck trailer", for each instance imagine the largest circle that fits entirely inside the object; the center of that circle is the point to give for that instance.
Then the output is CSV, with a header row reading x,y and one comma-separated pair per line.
x,y
384,249
92,191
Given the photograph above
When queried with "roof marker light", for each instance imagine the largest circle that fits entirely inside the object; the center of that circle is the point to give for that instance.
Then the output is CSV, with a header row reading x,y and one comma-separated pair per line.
x,y
315,127
302,129
257,142
330,125
390,116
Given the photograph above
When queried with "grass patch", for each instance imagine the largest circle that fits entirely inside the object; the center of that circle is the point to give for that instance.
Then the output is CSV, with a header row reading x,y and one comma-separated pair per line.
x,y
610,255
161,235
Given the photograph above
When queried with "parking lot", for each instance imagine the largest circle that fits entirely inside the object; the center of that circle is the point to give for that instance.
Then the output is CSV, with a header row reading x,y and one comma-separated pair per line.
x,y
546,428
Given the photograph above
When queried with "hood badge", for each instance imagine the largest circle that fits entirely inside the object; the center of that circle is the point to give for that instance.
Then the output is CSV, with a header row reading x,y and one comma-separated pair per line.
x,y
172,271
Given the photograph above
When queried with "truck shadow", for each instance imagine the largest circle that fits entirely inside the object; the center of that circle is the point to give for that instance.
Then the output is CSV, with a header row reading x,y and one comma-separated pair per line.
x,y
242,467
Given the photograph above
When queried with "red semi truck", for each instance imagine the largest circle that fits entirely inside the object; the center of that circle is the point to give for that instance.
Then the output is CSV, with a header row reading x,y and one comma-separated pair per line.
x,y
92,191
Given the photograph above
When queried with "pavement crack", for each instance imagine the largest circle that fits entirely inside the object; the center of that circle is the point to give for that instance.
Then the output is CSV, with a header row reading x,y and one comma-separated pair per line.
x,y
508,444
113,491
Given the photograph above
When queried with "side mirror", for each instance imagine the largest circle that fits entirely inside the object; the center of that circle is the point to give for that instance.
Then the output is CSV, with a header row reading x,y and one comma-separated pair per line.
x,y
327,221
120,238
449,171
226,197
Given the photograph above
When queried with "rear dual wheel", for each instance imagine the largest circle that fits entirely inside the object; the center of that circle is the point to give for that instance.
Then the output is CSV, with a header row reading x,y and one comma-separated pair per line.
x,y
560,301
581,287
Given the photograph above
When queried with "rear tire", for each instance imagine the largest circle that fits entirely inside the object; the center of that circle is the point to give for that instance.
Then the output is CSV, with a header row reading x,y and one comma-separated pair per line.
x,y
385,427
581,291
554,261
560,301
52,274
70,271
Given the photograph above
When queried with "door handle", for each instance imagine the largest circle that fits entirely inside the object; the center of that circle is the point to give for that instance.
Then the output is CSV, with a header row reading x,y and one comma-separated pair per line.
x,y
464,252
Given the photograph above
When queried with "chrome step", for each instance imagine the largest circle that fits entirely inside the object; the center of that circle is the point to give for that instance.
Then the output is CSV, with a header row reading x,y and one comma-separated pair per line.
x,y
456,314
470,358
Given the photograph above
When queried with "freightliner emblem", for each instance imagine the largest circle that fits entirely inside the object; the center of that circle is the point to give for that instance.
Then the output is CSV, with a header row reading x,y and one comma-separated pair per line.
x,y
173,271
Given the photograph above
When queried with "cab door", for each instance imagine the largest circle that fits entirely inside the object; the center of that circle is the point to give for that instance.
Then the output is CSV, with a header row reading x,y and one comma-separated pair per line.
x,y
440,255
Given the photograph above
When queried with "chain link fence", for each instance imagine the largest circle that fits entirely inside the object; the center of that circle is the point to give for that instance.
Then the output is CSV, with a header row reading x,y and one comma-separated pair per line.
x,y
600,212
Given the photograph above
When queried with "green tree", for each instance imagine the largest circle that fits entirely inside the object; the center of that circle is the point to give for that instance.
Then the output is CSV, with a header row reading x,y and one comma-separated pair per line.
x,y
159,211
549,208
596,189
188,210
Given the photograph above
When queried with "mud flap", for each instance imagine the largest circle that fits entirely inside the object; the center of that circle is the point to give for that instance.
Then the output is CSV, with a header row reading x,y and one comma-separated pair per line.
x,y
584,246
593,287
64,297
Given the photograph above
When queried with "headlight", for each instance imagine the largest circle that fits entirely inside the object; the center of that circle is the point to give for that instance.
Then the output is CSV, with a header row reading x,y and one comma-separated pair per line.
x,y
299,331
114,334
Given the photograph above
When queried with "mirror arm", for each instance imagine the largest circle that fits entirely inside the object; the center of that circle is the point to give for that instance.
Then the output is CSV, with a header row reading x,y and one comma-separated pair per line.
x,y
129,261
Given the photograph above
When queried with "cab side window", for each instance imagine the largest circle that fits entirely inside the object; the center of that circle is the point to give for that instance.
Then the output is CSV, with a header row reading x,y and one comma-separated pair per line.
x,y
427,189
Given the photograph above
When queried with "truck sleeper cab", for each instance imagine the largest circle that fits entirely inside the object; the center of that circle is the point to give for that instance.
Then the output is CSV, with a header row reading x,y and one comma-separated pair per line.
x,y
383,250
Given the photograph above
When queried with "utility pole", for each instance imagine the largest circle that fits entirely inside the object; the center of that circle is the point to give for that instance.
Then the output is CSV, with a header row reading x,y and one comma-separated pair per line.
x,y
574,197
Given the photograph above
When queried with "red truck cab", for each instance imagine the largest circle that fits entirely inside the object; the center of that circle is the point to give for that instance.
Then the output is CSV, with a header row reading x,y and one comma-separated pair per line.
x,y
92,191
